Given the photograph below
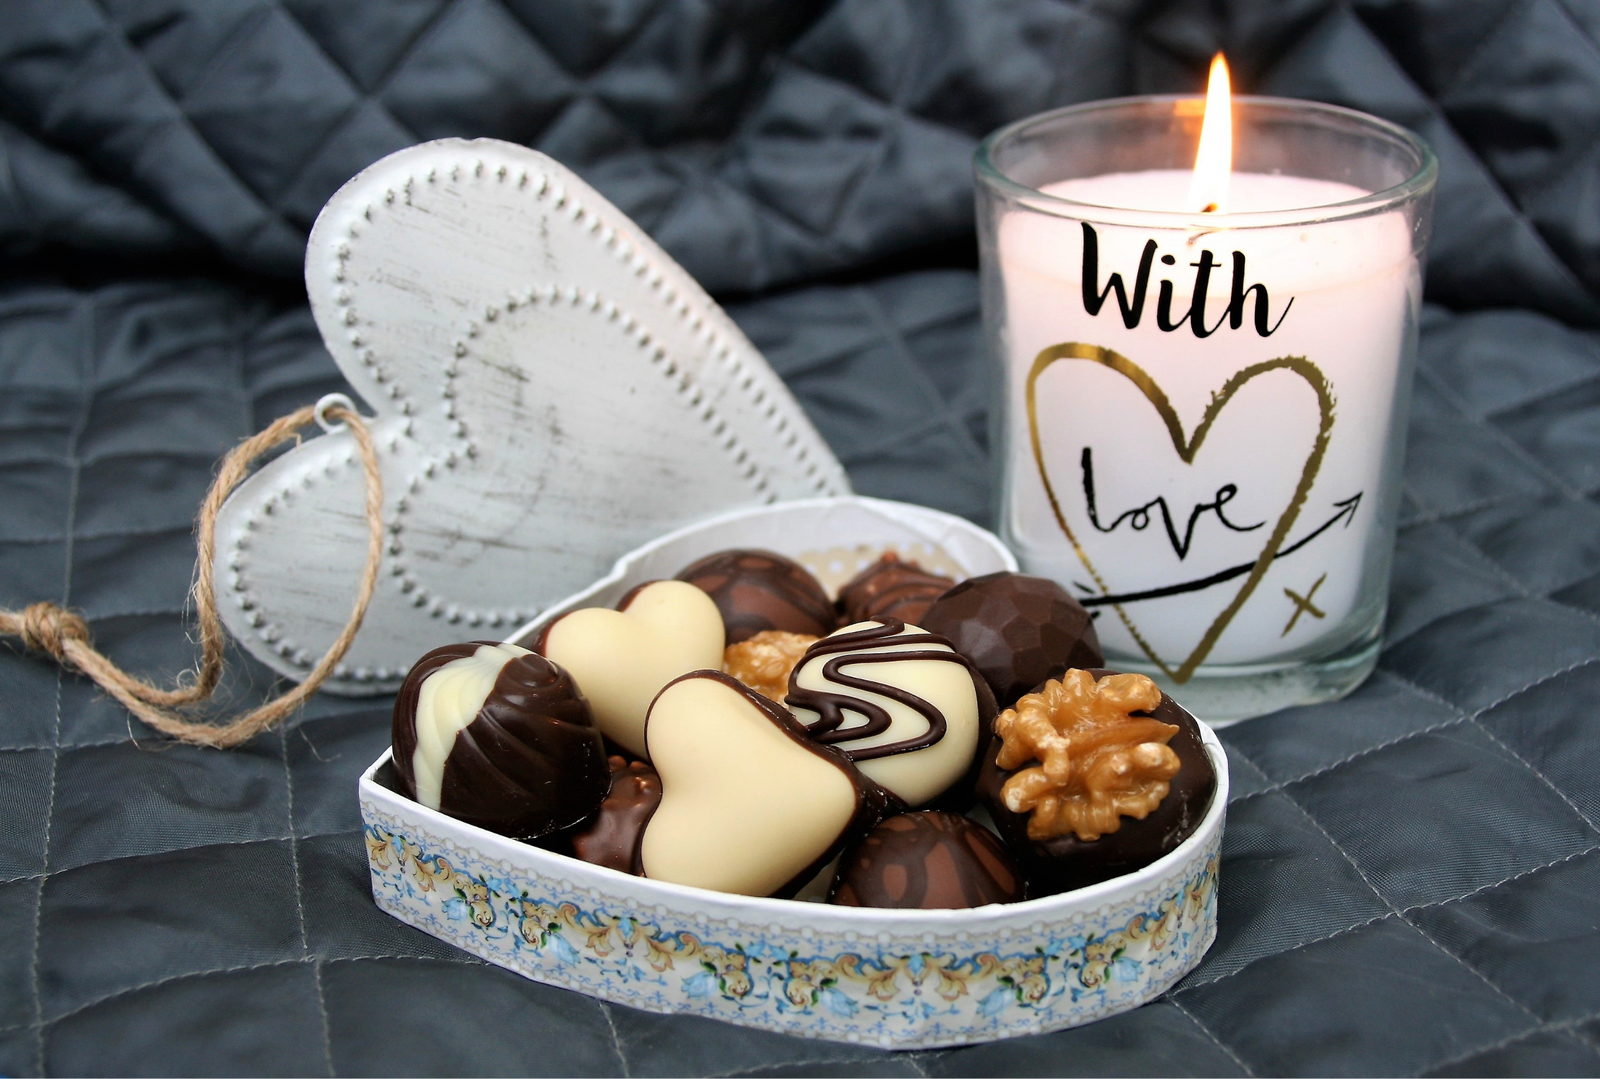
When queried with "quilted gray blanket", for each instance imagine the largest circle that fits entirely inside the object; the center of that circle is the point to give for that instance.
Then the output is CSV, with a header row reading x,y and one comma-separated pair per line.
x,y
1411,880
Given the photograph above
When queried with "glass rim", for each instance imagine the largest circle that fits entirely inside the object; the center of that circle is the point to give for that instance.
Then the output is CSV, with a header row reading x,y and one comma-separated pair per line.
x,y
1421,180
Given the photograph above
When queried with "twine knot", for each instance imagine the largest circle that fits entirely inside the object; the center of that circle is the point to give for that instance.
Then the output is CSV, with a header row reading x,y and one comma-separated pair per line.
x,y
47,628
64,636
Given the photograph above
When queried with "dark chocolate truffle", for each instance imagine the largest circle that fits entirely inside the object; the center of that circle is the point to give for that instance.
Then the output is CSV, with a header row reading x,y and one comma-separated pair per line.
x,y
499,737
890,588
1018,630
1066,862
611,837
927,861
762,590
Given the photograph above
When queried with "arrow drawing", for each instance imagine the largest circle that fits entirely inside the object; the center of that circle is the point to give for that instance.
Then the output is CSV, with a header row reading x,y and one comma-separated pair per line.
x,y
1347,513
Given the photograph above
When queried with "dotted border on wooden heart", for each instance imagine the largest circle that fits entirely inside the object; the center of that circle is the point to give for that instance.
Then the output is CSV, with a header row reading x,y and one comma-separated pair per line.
x,y
397,572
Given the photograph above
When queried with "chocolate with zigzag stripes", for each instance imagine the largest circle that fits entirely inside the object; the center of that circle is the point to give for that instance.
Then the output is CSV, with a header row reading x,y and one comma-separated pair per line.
x,y
901,704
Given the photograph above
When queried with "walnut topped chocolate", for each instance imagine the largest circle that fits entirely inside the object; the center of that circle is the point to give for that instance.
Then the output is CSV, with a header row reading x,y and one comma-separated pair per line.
x,y
1097,775
1085,759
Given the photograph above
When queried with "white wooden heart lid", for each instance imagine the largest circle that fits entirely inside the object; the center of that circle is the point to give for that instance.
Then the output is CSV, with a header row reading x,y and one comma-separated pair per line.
x,y
550,390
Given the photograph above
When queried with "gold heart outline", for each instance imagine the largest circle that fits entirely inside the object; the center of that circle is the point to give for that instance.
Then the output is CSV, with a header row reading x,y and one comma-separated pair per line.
x,y
1187,448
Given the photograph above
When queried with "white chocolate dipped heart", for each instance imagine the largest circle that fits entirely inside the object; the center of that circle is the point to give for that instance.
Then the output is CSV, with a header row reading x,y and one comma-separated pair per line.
x,y
898,701
620,659
749,804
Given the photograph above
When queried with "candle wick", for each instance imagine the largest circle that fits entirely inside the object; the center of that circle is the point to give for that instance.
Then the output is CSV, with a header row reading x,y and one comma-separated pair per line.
x,y
1210,208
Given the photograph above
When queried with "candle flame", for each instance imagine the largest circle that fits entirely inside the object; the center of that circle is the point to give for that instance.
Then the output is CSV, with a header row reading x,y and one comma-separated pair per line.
x,y
1213,162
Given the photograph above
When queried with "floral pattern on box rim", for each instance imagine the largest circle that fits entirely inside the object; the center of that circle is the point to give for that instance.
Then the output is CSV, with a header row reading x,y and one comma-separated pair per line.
x,y
897,987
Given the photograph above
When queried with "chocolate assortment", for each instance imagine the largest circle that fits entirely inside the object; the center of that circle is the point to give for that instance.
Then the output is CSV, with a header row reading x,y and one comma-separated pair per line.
x,y
763,590
1017,630
891,588
758,740
497,736
927,861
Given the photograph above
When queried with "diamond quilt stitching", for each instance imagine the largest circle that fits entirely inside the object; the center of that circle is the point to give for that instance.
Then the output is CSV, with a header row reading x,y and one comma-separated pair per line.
x,y
789,248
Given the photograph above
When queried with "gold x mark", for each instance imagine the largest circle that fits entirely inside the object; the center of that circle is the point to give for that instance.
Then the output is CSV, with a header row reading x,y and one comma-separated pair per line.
x,y
1303,605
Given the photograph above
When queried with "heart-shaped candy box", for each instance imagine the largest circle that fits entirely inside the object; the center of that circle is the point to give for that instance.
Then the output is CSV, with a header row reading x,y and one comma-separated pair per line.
x,y
897,978
549,391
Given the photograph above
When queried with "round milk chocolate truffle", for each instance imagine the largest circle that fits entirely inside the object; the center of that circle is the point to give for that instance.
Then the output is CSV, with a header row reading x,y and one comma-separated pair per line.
x,y
1017,630
1067,861
890,588
927,861
499,737
762,590
611,837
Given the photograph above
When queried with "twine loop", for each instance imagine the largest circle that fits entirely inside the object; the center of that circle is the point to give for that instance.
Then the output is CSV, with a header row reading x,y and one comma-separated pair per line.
x,y
64,635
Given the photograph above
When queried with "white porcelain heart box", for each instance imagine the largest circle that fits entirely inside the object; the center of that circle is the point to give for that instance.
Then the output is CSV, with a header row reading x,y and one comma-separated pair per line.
x,y
550,390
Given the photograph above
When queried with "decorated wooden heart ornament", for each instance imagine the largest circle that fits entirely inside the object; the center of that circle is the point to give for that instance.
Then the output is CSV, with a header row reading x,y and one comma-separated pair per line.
x,y
549,390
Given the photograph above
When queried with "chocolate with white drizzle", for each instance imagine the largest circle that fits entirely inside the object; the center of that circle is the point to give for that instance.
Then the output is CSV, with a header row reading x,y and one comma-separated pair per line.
x,y
921,709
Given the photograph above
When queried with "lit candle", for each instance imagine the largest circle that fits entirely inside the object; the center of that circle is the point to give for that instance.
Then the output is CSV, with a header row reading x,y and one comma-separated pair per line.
x,y
1204,374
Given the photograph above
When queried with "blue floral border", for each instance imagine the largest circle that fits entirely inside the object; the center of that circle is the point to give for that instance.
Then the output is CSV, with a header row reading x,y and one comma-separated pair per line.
x,y
940,991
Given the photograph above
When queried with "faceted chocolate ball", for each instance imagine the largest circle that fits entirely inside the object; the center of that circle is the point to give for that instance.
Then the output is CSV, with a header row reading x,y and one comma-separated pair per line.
x,y
611,837
1018,630
927,861
762,590
890,588
1067,862
503,740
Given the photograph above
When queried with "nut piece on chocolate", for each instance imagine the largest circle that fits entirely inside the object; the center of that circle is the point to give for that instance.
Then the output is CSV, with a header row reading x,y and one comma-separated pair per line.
x,y
497,736
762,590
927,861
1018,630
749,804
765,661
611,837
890,588
1095,776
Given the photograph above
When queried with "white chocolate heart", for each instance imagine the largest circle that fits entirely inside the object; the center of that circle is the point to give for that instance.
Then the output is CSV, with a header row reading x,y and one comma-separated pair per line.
x,y
747,804
621,659
936,690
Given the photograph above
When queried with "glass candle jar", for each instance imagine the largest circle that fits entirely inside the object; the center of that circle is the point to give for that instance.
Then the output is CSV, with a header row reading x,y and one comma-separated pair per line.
x,y
1200,416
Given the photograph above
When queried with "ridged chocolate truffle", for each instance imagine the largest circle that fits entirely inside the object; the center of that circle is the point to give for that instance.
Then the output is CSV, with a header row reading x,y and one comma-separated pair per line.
x,y
499,737
1065,862
927,861
762,590
1018,631
890,588
611,837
